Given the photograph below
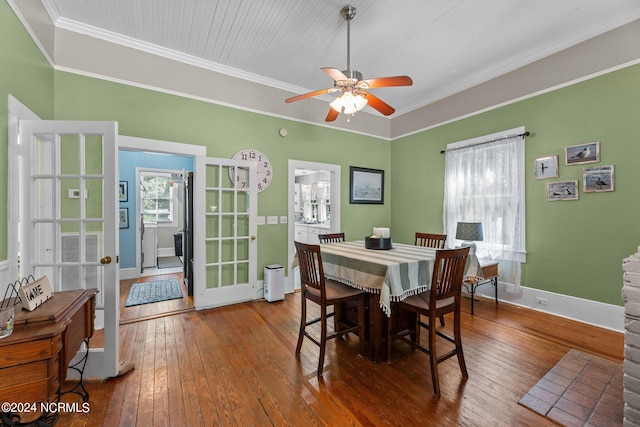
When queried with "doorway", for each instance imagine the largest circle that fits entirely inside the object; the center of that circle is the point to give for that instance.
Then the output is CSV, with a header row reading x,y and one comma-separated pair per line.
x,y
148,240
215,282
314,205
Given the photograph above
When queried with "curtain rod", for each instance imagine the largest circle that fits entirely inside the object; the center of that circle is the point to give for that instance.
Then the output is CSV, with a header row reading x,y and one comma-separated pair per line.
x,y
524,134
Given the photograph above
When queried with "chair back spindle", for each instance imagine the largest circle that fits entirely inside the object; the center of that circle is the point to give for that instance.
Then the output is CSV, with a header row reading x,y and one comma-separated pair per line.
x,y
310,262
430,240
331,237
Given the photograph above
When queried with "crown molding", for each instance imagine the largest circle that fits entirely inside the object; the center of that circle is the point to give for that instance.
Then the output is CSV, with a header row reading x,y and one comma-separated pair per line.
x,y
174,55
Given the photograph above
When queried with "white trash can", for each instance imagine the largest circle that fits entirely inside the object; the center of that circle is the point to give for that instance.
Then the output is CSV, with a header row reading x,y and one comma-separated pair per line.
x,y
273,282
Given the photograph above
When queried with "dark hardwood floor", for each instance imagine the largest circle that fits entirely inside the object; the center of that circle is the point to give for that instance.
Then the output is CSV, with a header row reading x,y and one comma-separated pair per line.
x,y
235,365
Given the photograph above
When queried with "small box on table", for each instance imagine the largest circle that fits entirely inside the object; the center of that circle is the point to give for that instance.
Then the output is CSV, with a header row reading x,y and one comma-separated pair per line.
x,y
379,243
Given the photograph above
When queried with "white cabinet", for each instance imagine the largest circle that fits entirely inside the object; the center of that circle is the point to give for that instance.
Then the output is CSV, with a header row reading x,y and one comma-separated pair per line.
x,y
313,234
309,233
149,245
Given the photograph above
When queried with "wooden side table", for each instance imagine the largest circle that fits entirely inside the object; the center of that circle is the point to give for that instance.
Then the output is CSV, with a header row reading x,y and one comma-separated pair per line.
x,y
489,275
35,357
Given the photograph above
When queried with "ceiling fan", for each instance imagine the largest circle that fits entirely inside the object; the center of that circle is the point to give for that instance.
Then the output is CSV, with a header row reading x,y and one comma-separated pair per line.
x,y
354,95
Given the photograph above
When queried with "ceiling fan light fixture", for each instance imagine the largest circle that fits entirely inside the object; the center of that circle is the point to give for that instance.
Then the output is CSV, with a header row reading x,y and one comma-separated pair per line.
x,y
354,89
348,103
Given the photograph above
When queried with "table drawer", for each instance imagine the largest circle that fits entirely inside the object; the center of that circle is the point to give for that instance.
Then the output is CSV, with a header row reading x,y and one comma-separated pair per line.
x,y
20,374
35,391
30,351
31,381
490,270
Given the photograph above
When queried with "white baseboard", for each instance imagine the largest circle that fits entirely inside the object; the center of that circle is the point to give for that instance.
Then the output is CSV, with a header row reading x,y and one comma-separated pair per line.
x,y
595,313
129,273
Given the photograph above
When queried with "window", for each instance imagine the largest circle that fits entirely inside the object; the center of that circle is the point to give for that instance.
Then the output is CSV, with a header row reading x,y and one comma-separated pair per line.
x,y
157,197
484,182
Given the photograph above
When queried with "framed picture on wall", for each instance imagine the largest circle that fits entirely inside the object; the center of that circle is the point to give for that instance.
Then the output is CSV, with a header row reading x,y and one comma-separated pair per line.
x,y
598,179
582,153
124,191
562,190
124,217
366,185
546,167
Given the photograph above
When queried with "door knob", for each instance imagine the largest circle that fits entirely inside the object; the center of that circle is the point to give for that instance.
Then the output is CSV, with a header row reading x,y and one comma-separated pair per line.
x,y
253,237
105,260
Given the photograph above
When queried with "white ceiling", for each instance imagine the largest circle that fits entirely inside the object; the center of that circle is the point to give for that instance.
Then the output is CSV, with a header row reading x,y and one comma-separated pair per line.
x,y
445,46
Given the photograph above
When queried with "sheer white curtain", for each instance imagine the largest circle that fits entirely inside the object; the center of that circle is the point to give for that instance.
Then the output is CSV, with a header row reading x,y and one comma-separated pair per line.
x,y
484,182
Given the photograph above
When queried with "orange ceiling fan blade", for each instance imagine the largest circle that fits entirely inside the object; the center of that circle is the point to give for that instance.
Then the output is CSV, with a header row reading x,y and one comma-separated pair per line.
x,y
387,82
378,104
334,73
307,95
331,115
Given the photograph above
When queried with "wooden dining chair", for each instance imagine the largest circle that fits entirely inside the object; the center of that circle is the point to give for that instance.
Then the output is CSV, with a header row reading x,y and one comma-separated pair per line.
x,y
443,297
430,240
325,293
331,237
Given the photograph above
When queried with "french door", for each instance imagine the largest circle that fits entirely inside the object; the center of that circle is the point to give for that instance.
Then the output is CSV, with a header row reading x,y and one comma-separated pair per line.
x,y
68,229
225,230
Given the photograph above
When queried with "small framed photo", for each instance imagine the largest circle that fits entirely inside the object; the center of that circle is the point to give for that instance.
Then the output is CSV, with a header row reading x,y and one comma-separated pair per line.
x,y
582,153
598,179
366,186
562,190
124,217
124,191
546,167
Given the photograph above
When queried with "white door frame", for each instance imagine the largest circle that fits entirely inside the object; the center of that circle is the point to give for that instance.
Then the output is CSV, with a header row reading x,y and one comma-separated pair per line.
x,y
132,143
9,268
334,171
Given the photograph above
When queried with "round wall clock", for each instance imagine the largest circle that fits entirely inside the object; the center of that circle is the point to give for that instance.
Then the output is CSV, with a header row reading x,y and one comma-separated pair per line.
x,y
264,169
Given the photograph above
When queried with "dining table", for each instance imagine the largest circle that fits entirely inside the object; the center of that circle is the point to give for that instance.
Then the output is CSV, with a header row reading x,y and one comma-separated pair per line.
x,y
394,274
388,275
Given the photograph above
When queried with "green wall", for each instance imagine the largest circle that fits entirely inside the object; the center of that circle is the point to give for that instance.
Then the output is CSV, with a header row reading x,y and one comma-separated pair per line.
x,y
224,131
574,247
25,74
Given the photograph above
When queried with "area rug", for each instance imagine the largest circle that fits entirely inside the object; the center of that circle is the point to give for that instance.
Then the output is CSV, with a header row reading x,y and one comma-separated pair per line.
x,y
156,291
582,389
169,262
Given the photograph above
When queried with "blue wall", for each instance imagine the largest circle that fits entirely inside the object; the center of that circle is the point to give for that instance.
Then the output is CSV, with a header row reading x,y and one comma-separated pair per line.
x,y
128,162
